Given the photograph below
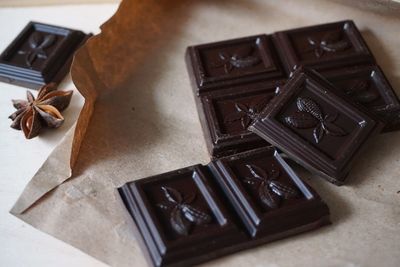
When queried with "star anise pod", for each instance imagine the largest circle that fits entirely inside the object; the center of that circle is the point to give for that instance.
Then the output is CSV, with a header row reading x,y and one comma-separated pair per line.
x,y
33,114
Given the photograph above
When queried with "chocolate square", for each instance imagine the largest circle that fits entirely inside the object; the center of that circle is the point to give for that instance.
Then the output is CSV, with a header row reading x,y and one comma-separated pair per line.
x,y
180,216
368,86
216,65
226,114
267,194
40,54
323,46
316,126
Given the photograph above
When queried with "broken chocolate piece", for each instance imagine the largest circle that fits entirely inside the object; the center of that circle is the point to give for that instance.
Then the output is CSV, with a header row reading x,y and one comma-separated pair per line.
x,y
199,213
316,125
40,54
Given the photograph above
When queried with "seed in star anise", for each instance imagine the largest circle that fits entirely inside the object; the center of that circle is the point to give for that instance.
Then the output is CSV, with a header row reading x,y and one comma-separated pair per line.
x,y
34,114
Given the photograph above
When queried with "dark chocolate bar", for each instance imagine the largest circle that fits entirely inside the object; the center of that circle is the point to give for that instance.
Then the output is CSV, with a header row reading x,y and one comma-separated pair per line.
x,y
228,91
40,54
199,213
316,125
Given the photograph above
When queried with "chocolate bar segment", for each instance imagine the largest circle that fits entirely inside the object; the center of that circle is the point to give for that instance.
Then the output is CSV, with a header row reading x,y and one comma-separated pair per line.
x,y
368,86
40,54
266,193
323,46
316,126
217,65
226,114
198,213
181,217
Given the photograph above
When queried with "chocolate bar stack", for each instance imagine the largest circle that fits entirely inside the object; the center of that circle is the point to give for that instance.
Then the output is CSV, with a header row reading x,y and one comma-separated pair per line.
x,y
314,94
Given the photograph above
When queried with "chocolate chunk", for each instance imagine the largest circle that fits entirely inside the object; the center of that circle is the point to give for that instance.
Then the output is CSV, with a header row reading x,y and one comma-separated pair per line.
x,y
221,64
226,114
267,194
368,86
40,54
232,81
199,213
323,46
316,125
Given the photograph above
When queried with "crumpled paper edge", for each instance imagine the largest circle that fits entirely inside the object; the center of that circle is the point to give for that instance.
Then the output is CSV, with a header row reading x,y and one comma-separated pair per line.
x,y
61,163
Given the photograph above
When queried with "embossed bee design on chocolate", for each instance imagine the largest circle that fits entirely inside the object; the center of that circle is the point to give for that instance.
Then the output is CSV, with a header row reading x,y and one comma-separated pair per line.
x,y
330,42
270,191
37,44
182,214
360,91
246,113
310,115
242,58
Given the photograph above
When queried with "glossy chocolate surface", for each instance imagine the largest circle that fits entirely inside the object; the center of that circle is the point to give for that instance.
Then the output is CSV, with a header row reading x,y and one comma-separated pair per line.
x,y
198,213
316,125
40,54
217,65
266,193
226,114
368,86
337,50
323,46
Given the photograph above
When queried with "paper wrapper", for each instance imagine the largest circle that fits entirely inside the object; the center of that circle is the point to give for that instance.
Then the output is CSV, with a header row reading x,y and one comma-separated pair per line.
x,y
139,119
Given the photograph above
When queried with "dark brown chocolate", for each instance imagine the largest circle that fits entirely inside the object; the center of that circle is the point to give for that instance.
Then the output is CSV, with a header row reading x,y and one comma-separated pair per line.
x,y
368,86
230,82
199,213
323,46
238,61
337,50
266,193
40,54
316,125
226,114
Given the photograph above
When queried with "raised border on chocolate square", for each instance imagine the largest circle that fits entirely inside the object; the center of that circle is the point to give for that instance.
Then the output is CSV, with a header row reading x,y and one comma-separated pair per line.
x,y
292,58
264,224
220,143
185,249
333,168
52,68
388,110
203,82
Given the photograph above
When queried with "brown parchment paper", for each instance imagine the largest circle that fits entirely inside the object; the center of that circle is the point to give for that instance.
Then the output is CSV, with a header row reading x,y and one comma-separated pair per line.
x,y
139,119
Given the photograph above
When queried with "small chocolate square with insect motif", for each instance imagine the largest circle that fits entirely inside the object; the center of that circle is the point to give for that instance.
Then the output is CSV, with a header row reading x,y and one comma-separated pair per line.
x,y
216,65
226,114
368,86
315,124
178,213
40,54
267,194
323,46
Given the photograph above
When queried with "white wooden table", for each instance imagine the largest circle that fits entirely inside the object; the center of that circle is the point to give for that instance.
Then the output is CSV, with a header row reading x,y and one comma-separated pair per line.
x,y
21,244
